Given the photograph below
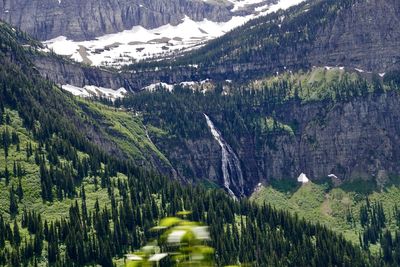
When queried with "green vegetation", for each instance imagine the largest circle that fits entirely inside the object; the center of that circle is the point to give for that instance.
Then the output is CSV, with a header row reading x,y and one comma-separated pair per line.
x,y
316,84
265,114
339,209
73,199
125,129
280,38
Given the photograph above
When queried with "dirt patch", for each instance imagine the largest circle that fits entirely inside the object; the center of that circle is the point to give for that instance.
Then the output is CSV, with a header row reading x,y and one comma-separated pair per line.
x,y
84,54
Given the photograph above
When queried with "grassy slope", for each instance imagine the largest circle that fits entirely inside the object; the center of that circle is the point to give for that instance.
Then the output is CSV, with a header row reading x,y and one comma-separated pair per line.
x,y
125,129
315,82
330,207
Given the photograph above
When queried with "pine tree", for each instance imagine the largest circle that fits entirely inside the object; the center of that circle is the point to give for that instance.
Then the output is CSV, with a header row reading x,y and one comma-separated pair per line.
x,y
13,203
7,175
16,235
20,191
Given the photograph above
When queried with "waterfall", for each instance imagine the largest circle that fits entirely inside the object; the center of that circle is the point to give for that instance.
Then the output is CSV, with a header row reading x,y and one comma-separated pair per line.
x,y
231,171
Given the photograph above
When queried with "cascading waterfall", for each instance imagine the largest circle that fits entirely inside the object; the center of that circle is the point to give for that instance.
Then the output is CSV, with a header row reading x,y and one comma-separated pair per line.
x,y
231,171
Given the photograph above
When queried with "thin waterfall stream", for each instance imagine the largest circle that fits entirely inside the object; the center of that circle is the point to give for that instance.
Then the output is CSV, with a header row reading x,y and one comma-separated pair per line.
x,y
231,170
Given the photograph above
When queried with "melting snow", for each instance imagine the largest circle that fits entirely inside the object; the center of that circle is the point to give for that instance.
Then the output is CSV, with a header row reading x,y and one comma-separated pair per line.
x,y
201,232
190,84
283,4
139,43
154,86
359,70
239,4
332,176
91,90
303,178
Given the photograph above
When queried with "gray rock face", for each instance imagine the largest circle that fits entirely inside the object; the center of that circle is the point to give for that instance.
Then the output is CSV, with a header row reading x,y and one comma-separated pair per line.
x,y
63,71
353,140
86,19
366,35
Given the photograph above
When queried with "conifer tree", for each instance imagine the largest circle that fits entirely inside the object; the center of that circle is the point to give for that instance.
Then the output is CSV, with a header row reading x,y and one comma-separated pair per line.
x,y
13,203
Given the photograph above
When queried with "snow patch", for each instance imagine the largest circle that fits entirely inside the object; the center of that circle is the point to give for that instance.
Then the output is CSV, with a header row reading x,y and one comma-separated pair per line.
x,y
170,87
331,67
302,178
153,87
283,4
240,4
137,44
332,176
359,70
91,90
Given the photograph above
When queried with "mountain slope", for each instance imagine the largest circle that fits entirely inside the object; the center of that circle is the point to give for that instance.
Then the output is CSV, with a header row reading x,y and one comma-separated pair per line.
x,y
66,200
356,34
340,207
138,43
351,33
87,121
322,122
88,19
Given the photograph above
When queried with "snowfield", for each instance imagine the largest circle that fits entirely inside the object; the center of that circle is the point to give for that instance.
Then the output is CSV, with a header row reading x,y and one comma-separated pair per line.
x,y
201,86
91,90
139,43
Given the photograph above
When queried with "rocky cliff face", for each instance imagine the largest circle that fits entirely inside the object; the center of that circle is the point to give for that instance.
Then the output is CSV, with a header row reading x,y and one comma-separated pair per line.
x,y
363,35
86,19
352,140
63,71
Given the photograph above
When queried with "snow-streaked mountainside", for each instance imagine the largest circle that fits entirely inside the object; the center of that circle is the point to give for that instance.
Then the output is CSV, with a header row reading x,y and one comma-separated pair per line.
x,y
139,43
95,91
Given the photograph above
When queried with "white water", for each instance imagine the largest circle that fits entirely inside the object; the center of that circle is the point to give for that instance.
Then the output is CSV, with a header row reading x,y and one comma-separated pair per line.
x,y
230,162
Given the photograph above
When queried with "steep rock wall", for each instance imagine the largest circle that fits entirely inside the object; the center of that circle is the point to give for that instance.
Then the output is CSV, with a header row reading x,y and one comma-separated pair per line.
x,y
357,139
87,19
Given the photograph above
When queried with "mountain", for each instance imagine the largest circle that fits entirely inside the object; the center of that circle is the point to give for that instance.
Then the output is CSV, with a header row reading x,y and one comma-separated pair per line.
x,y
83,178
315,33
83,20
354,34
271,144
71,195
321,122
116,33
